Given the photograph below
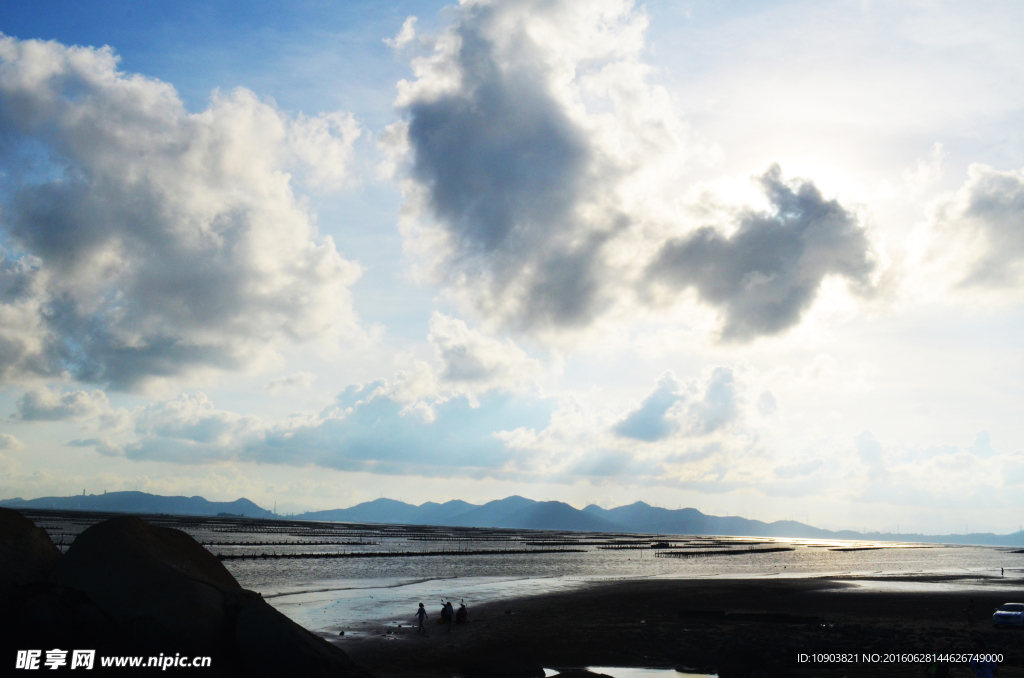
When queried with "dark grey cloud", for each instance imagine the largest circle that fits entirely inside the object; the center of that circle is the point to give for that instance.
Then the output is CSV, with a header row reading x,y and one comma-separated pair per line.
x,y
503,163
506,171
767,273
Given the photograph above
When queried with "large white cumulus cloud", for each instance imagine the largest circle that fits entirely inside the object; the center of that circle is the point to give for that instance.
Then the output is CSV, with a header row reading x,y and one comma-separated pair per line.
x,y
546,183
141,240
977,232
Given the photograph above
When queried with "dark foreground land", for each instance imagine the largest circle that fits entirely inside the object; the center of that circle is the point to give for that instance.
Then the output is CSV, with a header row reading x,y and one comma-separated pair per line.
x,y
128,589
735,628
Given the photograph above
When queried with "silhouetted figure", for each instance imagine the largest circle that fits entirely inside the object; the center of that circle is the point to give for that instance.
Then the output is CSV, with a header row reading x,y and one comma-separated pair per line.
x,y
449,614
421,615
462,616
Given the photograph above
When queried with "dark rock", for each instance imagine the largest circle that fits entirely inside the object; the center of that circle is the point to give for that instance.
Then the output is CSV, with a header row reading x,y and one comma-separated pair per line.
x,y
269,644
161,587
129,588
26,552
64,618
502,667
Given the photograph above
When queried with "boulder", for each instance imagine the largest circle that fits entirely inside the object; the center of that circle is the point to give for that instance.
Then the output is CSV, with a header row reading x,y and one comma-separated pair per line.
x,y
270,644
26,552
499,666
166,593
161,587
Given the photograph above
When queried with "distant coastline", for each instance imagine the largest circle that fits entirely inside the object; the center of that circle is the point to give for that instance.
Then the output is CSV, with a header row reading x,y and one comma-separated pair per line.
x,y
512,512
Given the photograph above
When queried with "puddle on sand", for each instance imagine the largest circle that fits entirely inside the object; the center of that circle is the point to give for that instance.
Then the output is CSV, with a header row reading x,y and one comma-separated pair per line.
x,y
629,672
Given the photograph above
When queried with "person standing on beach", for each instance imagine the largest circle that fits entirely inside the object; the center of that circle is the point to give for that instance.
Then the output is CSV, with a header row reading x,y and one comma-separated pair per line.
x,y
449,614
421,614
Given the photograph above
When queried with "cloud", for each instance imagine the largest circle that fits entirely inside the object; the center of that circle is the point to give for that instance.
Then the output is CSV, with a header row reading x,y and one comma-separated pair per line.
x,y
470,358
800,469
324,144
152,242
870,452
299,381
695,409
189,429
9,442
767,405
508,164
46,405
982,446
648,422
763,276
370,430
927,172
719,406
979,228
544,183
406,35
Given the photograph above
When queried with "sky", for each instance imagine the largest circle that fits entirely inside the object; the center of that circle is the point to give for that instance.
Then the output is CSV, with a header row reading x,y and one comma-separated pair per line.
x,y
756,258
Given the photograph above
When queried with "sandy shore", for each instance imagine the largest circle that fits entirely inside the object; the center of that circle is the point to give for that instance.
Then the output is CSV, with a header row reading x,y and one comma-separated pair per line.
x,y
735,628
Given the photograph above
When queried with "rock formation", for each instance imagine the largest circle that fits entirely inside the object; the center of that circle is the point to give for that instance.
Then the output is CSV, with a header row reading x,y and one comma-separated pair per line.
x,y
129,588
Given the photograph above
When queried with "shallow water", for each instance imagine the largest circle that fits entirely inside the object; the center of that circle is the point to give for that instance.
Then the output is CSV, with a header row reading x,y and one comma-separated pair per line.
x,y
333,595
627,672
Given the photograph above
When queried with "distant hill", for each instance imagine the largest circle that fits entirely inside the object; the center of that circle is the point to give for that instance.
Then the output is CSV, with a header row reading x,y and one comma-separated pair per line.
x,y
141,502
511,512
554,515
391,511
642,517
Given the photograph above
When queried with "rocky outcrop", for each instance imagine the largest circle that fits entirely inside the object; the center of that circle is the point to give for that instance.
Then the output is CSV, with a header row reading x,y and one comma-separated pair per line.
x,y
159,585
270,644
26,552
127,587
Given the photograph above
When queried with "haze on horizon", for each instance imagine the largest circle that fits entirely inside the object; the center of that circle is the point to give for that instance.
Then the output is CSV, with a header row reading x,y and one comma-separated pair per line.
x,y
762,259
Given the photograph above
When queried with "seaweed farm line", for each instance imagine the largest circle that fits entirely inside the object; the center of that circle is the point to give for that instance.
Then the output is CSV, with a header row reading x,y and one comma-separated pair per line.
x,y
397,554
331,576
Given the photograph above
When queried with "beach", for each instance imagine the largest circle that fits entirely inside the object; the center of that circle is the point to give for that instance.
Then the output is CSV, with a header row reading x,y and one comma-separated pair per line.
x,y
729,627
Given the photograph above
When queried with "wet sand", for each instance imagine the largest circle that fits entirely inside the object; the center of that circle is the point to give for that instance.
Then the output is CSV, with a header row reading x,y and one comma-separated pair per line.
x,y
735,628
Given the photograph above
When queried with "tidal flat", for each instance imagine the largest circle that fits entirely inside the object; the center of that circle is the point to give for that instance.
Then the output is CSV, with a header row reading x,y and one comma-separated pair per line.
x,y
541,603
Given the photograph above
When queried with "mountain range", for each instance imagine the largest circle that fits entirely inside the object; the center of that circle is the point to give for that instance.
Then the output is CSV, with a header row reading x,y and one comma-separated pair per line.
x,y
512,512
521,513
141,502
